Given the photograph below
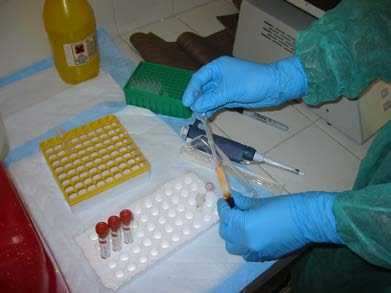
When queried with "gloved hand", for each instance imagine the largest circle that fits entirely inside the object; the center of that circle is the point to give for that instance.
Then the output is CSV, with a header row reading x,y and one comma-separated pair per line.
x,y
266,229
232,83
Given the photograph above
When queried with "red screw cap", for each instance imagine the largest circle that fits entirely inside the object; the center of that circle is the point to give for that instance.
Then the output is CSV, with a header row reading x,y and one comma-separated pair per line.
x,y
114,223
126,216
102,229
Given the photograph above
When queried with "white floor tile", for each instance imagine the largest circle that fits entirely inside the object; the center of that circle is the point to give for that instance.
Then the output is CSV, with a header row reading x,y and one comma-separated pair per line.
x,y
259,135
358,150
306,111
126,49
132,14
217,129
23,37
168,29
203,19
326,164
180,5
104,14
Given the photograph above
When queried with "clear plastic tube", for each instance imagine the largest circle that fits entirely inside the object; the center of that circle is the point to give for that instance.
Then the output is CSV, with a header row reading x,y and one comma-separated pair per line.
x,y
248,180
218,165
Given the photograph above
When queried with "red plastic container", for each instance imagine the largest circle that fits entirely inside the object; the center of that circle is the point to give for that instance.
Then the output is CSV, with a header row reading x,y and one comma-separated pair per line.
x,y
26,264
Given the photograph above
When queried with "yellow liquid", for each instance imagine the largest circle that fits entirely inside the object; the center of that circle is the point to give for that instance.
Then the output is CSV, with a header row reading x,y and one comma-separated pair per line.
x,y
223,181
71,28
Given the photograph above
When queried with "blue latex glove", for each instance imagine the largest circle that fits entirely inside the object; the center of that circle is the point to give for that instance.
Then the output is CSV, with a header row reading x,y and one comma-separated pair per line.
x,y
232,83
266,229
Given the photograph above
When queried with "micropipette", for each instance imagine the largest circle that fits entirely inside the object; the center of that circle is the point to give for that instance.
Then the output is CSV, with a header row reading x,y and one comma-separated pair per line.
x,y
236,151
259,159
219,169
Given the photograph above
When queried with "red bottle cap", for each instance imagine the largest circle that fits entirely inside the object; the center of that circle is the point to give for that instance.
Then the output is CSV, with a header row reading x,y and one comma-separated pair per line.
x,y
102,229
114,223
126,216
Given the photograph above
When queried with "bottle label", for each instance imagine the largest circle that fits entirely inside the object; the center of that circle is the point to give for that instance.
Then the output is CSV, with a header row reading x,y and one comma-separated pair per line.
x,y
82,52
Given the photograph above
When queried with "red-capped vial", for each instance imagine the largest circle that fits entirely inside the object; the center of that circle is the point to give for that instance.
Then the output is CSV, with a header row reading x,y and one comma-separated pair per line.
x,y
102,230
126,217
115,229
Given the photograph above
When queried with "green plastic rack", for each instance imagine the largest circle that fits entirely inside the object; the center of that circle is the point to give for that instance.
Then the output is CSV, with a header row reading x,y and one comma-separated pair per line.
x,y
158,88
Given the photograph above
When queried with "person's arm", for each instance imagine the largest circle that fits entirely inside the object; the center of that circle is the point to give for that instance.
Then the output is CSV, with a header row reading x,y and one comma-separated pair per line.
x,y
339,54
363,216
363,221
359,219
233,83
267,229
346,50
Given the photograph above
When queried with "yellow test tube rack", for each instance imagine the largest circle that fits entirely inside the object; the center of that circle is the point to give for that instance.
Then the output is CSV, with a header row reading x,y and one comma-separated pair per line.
x,y
93,158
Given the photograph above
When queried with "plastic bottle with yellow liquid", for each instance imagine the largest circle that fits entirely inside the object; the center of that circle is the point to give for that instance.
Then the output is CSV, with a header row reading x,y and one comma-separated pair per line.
x,y
71,27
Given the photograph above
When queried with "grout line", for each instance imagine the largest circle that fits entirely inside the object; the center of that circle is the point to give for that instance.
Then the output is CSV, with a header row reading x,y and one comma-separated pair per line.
x,y
289,137
172,6
127,43
277,179
224,132
173,15
193,8
306,114
136,28
204,5
188,26
128,32
139,28
326,132
338,142
115,17
311,123
131,48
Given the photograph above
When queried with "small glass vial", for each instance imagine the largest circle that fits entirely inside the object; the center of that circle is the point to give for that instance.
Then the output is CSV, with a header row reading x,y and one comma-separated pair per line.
x,y
209,186
126,217
102,229
115,229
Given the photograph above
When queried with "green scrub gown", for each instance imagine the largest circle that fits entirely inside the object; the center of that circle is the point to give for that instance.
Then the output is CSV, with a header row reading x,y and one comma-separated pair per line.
x,y
343,53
